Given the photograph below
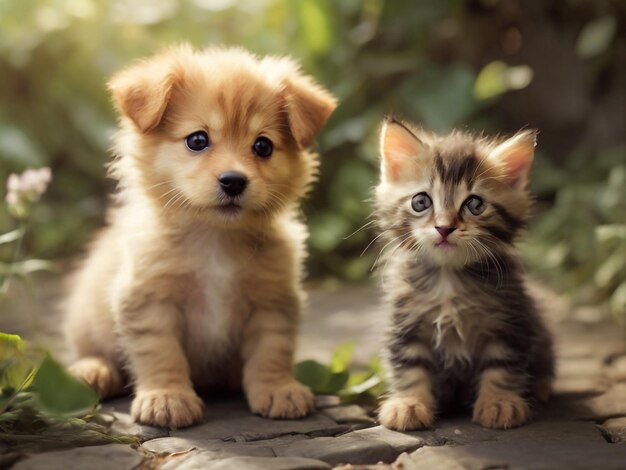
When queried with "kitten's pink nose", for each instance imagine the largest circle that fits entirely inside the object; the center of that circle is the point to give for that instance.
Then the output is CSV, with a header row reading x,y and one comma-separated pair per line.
x,y
444,230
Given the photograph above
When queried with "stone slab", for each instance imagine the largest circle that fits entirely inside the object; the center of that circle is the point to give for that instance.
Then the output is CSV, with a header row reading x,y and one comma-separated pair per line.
x,y
614,429
537,454
348,414
401,442
232,421
106,457
343,449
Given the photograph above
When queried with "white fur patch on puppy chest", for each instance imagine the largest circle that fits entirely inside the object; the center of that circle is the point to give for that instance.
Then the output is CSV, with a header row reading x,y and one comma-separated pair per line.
x,y
209,311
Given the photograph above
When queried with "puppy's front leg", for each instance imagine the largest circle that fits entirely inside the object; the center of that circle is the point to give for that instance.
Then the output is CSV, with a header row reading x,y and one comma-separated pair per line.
x,y
268,379
164,394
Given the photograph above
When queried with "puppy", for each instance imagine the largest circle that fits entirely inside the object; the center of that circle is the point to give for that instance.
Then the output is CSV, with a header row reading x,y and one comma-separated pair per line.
x,y
196,281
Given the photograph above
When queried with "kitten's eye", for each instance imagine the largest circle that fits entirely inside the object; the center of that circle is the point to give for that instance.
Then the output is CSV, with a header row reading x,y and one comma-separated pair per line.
x,y
198,141
421,202
475,205
263,147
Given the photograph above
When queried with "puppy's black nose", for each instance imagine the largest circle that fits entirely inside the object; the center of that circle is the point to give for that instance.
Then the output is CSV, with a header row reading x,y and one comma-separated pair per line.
x,y
233,183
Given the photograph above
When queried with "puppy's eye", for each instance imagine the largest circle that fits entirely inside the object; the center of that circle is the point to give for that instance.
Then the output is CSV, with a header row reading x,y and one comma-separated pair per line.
x,y
263,147
198,141
421,202
475,205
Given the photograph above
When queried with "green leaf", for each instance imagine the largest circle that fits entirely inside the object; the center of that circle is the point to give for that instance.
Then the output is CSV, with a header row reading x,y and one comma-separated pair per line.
x,y
342,357
442,96
57,392
15,365
497,78
596,36
313,374
315,25
319,378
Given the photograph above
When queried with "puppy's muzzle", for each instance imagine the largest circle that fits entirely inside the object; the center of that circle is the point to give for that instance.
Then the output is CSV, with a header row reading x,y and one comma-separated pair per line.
x,y
233,183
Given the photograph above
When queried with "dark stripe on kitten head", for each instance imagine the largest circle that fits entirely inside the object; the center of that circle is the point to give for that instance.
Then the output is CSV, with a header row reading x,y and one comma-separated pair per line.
x,y
511,225
456,170
513,222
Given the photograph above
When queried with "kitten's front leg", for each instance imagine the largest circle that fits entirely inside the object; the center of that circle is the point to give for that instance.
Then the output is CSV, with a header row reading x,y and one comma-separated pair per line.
x,y
268,380
411,404
164,395
500,403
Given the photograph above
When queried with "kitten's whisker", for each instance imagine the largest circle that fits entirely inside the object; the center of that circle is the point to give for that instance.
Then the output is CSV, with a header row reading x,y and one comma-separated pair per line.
x,y
359,229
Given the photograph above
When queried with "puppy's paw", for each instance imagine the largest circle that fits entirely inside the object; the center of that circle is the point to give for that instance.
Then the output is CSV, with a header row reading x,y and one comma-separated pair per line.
x,y
283,400
100,374
174,408
405,414
501,411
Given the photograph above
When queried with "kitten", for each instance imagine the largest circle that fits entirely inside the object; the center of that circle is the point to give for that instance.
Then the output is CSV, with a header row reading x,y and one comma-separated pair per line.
x,y
196,281
463,328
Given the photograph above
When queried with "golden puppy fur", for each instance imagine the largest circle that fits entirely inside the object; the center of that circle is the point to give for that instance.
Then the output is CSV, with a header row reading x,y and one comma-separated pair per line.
x,y
183,289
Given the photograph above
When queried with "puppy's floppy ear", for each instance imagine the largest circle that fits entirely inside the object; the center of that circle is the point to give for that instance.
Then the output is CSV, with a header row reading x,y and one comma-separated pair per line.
x,y
308,105
142,91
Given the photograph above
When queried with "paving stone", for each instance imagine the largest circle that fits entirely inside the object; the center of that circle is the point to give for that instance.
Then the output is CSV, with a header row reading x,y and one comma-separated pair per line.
x,y
168,445
538,454
617,369
106,457
233,421
614,429
276,463
581,376
608,405
348,414
124,424
343,449
202,461
401,442
464,432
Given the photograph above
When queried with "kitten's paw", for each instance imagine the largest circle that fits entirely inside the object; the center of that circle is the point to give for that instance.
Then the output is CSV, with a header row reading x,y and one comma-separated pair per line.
x,y
501,411
405,414
287,400
100,374
174,408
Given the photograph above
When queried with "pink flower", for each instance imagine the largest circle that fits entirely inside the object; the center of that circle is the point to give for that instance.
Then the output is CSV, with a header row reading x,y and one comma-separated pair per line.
x,y
26,189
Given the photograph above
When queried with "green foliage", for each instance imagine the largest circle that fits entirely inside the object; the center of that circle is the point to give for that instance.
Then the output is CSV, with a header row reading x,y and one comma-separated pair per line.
x,y
337,378
579,246
41,404
433,62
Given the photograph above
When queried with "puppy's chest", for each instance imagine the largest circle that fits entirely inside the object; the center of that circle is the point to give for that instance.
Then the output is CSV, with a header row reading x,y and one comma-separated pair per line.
x,y
212,304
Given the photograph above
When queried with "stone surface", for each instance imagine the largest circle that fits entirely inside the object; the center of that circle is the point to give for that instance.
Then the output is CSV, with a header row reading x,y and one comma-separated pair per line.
x,y
590,389
107,457
617,369
614,429
609,404
537,454
232,421
124,424
343,449
581,376
349,414
205,462
400,442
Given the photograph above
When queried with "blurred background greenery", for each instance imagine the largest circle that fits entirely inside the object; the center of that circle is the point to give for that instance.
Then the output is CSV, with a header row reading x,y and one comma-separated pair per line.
x,y
493,65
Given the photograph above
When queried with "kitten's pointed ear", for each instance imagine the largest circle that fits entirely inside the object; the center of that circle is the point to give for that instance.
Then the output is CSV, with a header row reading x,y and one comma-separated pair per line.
x,y
142,91
399,149
308,107
516,156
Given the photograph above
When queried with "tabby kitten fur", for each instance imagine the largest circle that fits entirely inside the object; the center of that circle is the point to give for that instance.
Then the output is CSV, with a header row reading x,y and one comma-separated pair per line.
x,y
463,329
